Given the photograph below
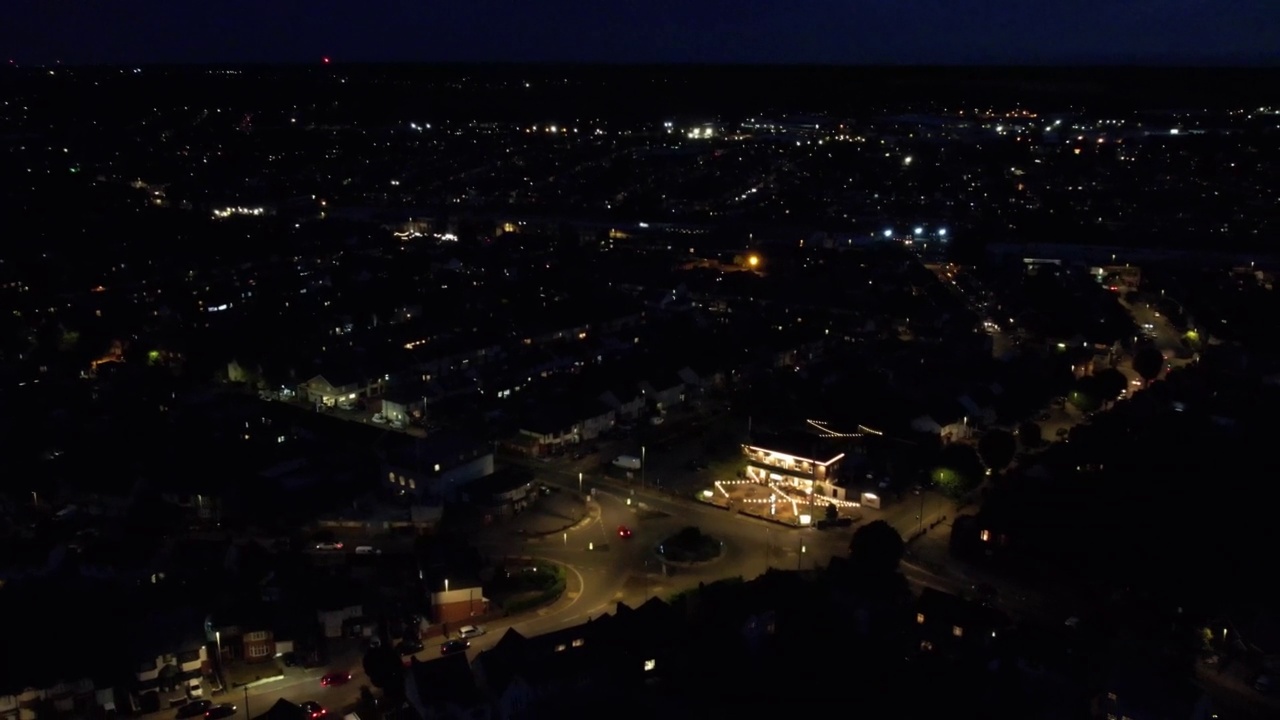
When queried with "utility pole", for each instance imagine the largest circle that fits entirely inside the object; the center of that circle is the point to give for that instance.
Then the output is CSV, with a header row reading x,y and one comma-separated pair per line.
x,y
643,463
247,716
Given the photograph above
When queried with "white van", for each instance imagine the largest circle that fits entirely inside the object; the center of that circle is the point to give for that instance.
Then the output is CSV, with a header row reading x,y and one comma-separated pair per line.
x,y
195,690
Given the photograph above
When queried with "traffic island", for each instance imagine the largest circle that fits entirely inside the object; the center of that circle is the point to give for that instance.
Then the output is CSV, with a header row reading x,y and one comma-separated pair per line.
x,y
520,588
688,547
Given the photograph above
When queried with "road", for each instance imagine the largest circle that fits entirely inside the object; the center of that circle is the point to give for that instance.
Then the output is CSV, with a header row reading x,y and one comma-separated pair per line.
x,y
1163,334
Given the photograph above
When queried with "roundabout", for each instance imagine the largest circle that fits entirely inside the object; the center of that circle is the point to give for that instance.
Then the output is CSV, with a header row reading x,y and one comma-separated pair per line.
x,y
690,546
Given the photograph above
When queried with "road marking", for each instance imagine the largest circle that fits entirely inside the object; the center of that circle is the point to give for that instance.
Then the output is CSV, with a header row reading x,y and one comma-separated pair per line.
x,y
572,595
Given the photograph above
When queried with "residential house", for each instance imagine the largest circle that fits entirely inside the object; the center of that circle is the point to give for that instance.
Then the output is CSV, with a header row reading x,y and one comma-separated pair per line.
x,y
432,470
980,403
172,658
554,425
333,620
949,624
284,710
342,385
242,635
663,390
171,679
796,460
445,689
560,673
403,403
503,494
945,419
628,405
82,696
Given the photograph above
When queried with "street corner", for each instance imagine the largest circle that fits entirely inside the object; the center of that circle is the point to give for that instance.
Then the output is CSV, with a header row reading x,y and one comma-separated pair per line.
x,y
553,512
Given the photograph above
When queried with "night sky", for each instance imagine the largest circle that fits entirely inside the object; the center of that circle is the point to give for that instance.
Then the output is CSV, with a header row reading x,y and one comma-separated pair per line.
x,y
653,31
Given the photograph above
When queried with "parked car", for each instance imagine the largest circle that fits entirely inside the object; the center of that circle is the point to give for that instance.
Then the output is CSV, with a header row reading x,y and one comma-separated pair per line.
x,y
328,546
193,709
218,712
333,679
450,647
409,647
470,631
313,709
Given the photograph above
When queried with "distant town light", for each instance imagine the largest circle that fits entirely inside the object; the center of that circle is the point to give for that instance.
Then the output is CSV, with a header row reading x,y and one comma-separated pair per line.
x,y
942,232
888,233
919,231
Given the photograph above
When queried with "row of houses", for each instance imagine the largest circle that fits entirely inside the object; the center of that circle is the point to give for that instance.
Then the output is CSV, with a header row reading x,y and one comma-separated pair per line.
x,y
618,657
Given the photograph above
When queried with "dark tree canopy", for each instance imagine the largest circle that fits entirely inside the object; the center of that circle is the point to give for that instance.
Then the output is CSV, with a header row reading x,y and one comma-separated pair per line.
x,y
1148,362
1110,383
876,548
1085,395
997,448
383,667
1031,434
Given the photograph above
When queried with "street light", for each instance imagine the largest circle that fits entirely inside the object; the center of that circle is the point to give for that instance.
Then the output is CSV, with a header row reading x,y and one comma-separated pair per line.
x,y
446,584
643,463
579,483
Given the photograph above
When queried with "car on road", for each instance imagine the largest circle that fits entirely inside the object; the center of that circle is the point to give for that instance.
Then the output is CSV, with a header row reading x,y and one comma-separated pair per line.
x,y
337,678
328,546
624,531
313,709
193,709
470,631
449,647
218,712
409,647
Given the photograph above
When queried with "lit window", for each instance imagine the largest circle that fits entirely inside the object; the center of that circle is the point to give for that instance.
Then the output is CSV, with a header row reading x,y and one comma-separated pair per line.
x,y
925,645
649,665
985,536
919,618
391,476
413,484
437,467
957,631
561,647
579,642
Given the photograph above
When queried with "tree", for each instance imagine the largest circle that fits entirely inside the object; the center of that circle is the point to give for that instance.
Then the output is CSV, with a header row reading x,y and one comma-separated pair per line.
x,y
832,513
1085,394
876,548
1110,383
997,448
383,667
958,470
1031,434
1148,362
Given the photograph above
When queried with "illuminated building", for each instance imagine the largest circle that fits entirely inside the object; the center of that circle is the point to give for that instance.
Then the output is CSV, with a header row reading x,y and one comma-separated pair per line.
x,y
797,460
